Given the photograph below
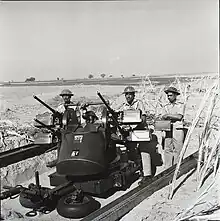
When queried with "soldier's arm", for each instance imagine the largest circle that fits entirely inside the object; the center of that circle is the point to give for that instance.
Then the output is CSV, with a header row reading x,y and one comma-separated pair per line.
x,y
178,116
174,117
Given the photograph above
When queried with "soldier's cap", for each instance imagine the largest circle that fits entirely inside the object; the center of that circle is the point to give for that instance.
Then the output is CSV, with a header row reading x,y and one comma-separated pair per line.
x,y
129,89
173,90
66,92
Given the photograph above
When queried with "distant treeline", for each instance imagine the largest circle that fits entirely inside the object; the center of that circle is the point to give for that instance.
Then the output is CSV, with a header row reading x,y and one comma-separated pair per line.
x,y
103,81
31,79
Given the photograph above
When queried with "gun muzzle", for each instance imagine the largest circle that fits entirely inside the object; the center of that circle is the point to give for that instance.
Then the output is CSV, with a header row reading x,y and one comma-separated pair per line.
x,y
46,105
11,192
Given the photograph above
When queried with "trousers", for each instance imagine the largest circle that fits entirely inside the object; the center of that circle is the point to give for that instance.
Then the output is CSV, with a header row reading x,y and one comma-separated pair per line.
x,y
146,161
140,157
173,144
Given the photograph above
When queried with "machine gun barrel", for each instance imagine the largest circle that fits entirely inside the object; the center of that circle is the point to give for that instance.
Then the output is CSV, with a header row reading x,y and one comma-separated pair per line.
x,y
111,112
46,126
46,105
12,191
105,102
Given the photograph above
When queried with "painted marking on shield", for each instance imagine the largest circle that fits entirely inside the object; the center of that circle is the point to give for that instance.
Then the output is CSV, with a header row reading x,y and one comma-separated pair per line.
x,y
75,153
78,138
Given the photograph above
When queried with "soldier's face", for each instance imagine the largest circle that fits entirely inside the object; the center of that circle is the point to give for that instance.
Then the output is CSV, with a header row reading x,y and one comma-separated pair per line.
x,y
129,97
66,98
171,97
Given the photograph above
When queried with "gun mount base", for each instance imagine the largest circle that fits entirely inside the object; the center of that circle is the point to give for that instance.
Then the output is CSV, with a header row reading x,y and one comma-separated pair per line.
x,y
76,205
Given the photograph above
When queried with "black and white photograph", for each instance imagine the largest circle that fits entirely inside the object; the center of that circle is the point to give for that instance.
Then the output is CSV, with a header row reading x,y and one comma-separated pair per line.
x,y
110,110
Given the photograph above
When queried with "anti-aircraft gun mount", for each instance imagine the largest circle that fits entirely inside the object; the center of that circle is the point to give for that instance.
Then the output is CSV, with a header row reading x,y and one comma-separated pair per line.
x,y
93,160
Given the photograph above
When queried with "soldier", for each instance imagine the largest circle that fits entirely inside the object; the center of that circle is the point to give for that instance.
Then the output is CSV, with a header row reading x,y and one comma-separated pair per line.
x,y
132,103
90,117
66,94
173,142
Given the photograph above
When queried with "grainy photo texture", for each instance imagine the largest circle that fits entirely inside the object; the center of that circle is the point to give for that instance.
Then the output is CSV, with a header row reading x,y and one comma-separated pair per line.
x,y
109,110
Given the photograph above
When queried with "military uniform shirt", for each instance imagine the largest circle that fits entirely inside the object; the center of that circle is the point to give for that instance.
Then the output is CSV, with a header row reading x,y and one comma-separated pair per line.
x,y
174,108
135,105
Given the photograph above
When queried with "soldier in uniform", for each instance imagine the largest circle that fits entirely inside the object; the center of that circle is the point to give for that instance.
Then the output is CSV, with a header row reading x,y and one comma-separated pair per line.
x,y
135,104
131,102
66,94
174,139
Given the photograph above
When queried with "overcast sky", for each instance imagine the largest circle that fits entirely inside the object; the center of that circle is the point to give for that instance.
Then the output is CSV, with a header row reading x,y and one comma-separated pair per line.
x,y
73,39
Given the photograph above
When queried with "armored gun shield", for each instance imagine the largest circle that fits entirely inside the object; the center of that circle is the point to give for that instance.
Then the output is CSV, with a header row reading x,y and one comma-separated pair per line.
x,y
82,153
